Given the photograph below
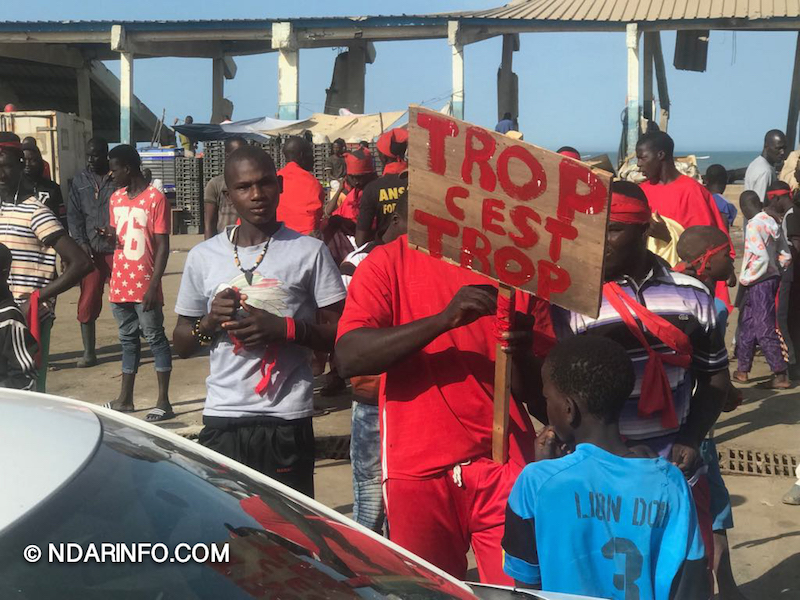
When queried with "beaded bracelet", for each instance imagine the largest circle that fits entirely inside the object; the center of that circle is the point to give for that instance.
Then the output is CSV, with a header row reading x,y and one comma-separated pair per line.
x,y
201,337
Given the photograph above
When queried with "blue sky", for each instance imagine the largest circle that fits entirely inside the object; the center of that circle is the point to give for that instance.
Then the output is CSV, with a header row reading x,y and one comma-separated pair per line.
x,y
572,86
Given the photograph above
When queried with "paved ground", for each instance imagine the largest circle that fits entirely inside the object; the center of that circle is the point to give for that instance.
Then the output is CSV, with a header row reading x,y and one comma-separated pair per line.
x,y
765,542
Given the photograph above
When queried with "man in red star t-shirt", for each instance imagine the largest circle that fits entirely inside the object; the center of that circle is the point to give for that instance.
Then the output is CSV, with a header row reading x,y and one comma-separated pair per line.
x,y
139,223
429,326
676,196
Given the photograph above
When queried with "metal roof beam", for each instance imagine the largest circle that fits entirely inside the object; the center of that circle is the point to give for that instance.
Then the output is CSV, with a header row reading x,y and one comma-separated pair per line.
x,y
60,55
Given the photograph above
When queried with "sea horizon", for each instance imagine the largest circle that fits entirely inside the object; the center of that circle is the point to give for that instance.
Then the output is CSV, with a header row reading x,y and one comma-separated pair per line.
x,y
730,159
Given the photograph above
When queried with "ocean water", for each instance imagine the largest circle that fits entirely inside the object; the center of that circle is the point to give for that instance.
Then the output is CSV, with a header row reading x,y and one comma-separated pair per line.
x,y
730,159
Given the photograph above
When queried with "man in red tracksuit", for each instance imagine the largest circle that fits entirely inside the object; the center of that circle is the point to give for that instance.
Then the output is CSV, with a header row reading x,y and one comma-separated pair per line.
x,y
429,326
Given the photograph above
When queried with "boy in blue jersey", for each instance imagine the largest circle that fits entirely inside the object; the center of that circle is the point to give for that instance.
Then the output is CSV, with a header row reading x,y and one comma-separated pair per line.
x,y
600,521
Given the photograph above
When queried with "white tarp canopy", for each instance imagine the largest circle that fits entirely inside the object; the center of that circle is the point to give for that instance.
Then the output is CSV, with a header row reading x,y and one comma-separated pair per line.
x,y
326,128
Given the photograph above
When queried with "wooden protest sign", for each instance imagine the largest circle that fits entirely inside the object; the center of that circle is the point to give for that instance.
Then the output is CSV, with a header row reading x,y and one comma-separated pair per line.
x,y
527,217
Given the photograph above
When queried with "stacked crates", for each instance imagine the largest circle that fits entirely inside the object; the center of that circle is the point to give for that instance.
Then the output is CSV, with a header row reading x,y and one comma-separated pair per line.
x,y
189,189
161,162
273,148
213,160
321,154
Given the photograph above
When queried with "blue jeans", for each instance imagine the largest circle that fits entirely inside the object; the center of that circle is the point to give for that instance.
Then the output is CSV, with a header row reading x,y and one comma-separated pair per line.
x,y
721,510
365,456
132,322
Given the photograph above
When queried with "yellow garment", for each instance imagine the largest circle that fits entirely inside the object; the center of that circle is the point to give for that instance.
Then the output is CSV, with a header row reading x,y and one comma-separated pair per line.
x,y
787,172
666,250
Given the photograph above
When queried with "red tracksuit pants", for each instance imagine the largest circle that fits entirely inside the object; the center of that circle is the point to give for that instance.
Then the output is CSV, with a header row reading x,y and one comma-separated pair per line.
x,y
439,520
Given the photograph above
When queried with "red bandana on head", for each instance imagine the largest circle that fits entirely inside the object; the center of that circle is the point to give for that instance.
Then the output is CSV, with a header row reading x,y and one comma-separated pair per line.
x,y
777,194
626,209
570,154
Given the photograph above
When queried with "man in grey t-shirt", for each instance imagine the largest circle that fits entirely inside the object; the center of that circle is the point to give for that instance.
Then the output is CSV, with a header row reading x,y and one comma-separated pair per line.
x,y
263,296
218,210
761,172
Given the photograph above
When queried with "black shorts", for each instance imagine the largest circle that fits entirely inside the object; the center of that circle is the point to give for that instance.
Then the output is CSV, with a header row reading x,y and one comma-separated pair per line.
x,y
283,450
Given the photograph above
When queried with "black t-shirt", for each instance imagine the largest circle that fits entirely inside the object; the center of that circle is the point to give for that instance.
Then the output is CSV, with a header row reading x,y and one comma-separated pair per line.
x,y
48,192
379,201
337,166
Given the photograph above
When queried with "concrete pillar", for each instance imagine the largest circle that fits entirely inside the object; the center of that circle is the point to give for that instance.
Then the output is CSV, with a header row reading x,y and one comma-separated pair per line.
x,y
507,82
632,40
125,97
457,47
794,100
84,93
349,79
648,100
217,90
283,40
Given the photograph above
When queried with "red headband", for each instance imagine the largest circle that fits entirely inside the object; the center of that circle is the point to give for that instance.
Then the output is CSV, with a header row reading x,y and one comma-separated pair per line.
x,y
625,209
570,154
777,194
15,145
702,260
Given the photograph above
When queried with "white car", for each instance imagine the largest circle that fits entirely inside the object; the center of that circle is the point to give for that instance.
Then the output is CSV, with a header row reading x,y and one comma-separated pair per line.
x,y
97,504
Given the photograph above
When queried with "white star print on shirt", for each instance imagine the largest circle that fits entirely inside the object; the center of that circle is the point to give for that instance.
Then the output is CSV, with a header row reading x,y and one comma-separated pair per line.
x,y
140,267
124,283
138,284
125,266
132,275
119,273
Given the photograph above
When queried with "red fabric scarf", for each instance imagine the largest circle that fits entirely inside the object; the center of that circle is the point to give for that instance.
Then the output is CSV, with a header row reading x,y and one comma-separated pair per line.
x,y
34,325
656,394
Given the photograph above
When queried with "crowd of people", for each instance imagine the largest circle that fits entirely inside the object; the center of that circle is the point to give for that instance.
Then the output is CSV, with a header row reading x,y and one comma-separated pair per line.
x,y
619,495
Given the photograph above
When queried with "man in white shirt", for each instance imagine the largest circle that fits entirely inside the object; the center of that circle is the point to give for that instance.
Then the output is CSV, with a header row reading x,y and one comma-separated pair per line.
x,y
761,172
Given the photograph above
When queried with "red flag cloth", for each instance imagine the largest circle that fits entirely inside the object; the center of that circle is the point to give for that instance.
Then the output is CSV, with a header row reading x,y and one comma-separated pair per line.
x,y
34,325
625,209
398,136
656,395
506,306
351,206
688,203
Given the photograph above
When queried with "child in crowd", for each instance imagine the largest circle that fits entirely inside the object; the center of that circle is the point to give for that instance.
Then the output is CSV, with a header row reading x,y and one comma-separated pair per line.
x,y
600,521
750,204
705,254
766,255
17,363
716,180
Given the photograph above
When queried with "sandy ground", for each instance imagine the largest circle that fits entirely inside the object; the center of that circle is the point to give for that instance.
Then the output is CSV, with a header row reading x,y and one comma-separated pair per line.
x,y
765,542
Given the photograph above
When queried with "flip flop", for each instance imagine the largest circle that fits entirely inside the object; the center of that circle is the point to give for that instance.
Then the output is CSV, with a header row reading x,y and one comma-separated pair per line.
x,y
122,410
159,414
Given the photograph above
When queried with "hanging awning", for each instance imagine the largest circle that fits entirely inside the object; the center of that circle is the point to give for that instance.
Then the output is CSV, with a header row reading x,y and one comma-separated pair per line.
x,y
324,128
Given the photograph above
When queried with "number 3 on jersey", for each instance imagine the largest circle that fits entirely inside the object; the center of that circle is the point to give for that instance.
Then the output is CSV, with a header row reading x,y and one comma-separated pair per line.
x,y
131,224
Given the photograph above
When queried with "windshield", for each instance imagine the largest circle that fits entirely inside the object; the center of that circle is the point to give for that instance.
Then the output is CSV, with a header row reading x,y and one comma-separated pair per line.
x,y
144,489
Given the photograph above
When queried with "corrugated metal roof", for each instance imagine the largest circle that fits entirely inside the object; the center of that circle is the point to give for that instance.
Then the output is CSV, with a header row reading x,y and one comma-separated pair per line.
x,y
627,11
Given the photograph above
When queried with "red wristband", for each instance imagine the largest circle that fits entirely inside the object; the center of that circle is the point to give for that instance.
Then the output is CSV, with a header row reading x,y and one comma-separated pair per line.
x,y
290,329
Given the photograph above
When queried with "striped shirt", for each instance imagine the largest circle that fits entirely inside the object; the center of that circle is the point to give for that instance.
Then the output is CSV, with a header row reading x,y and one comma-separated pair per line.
x,y
29,229
686,304
17,349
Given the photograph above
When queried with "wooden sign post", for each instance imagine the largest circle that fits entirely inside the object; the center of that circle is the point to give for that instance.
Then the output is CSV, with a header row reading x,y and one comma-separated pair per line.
x,y
529,218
